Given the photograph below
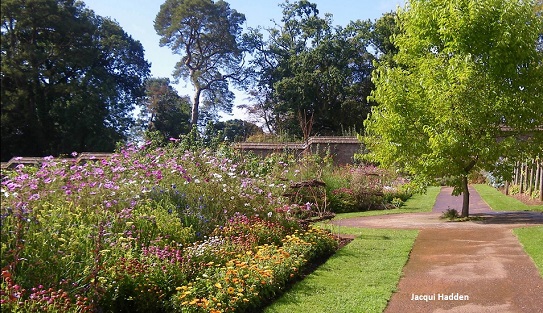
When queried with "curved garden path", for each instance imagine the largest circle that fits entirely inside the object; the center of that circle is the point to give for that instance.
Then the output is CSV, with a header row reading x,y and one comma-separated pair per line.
x,y
476,266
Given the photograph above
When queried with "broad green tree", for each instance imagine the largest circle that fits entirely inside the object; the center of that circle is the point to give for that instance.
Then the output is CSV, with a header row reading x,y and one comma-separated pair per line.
x,y
207,35
383,31
466,94
313,77
69,79
164,110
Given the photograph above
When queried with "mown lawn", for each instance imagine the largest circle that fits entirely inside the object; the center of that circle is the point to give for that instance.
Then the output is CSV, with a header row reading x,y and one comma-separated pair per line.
x,y
500,202
531,239
360,277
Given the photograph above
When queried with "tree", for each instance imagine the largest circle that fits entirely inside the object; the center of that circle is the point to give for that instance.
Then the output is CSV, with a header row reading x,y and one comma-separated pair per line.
x,y
69,79
312,77
235,130
382,33
208,36
164,110
466,95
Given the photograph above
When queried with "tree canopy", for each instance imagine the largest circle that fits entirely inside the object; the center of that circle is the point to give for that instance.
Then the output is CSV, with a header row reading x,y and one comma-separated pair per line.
x,y
313,77
464,93
163,110
69,79
235,130
208,36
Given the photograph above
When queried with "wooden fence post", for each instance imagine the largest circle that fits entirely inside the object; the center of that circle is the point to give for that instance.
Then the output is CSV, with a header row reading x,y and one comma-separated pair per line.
x,y
541,181
537,178
531,178
521,178
515,178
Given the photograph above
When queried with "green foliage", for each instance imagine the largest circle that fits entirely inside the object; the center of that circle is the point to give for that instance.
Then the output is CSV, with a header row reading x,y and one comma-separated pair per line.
x,y
70,79
397,202
164,111
418,203
312,77
514,189
450,214
207,35
361,188
464,93
236,130
383,31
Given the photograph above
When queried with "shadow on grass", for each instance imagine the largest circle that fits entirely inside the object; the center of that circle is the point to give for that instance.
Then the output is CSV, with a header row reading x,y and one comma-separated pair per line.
x,y
506,218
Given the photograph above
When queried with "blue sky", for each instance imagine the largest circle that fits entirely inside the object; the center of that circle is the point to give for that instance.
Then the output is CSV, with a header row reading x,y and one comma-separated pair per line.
x,y
136,18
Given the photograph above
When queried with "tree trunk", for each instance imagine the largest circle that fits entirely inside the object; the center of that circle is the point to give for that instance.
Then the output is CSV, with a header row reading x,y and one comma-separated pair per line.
x,y
195,106
465,198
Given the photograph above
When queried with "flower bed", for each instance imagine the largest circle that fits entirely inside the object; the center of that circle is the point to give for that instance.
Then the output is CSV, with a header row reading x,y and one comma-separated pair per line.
x,y
136,232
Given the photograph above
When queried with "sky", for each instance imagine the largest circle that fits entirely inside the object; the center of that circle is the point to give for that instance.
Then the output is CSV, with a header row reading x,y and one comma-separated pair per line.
x,y
136,17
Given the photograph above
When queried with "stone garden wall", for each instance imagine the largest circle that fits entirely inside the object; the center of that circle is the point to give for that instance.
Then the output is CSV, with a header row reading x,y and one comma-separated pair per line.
x,y
342,150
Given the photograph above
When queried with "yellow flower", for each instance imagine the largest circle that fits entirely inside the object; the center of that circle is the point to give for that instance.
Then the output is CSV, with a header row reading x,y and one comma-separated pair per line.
x,y
231,290
218,285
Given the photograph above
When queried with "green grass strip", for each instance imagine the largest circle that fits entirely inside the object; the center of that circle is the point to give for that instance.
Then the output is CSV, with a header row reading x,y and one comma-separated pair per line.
x,y
500,202
360,277
531,239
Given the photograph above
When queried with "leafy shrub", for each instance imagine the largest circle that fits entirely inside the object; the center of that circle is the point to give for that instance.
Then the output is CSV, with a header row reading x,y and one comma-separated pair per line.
x,y
364,187
342,200
450,214
397,202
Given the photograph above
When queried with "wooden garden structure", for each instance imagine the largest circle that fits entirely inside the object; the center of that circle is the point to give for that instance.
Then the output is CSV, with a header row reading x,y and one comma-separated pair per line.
x,y
528,176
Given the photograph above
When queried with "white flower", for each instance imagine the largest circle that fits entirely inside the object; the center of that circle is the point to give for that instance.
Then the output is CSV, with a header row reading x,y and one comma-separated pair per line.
x,y
270,214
